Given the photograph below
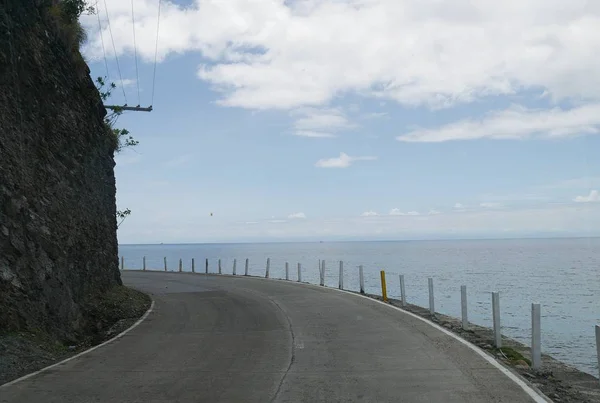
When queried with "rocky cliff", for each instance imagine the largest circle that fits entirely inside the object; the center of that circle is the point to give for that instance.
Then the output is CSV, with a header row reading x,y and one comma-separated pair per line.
x,y
58,244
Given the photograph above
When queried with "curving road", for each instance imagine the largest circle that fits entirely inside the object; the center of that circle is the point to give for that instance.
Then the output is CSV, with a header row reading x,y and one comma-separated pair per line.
x,y
233,339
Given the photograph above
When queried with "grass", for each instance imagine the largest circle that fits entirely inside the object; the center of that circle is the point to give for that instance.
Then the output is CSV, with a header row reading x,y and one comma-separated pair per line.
x,y
513,355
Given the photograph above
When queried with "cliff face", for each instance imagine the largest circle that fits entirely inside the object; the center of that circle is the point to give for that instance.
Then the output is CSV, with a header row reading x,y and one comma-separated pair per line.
x,y
58,242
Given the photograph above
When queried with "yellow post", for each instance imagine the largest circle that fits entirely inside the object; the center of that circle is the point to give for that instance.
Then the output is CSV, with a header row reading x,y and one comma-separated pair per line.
x,y
383,287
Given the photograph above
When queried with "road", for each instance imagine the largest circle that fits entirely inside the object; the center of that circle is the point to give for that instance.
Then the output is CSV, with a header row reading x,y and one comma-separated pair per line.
x,y
226,339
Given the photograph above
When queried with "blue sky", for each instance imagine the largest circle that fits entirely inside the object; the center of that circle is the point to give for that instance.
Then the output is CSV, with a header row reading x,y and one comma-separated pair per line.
x,y
362,119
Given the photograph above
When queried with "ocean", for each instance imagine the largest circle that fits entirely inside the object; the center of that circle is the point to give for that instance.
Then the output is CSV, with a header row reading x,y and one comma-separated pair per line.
x,y
560,274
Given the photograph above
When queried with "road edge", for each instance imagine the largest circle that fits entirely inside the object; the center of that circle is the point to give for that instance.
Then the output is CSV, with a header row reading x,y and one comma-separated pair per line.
x,y
89,350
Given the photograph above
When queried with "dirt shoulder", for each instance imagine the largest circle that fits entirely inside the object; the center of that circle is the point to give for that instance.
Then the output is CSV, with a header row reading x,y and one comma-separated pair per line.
x,y
106,316
557,380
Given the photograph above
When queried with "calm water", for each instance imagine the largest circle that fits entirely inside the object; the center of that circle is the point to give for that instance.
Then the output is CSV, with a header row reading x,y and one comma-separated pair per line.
x,y
560,274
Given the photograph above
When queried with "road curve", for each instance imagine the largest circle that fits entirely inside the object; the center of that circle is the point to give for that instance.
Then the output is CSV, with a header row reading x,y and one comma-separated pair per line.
x,y
226,339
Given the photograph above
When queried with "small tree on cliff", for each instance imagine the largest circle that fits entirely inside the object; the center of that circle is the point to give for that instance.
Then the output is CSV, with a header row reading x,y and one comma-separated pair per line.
x,y
122,138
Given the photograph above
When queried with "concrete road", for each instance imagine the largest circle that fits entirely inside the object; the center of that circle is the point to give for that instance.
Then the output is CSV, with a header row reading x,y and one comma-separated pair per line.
x,y
224,339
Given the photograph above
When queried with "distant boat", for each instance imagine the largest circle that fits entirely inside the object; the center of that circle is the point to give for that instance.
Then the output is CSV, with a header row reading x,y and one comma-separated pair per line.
x,y
320,241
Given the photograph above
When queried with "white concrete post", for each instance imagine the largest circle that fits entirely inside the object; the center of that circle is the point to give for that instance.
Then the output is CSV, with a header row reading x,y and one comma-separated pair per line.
x,y
220,272
361,279
431,299
180,265
287,271
234,266
402,290
144,263
536,337
206,266
246,268
299,273
598,344
165,259
322,282
268,267
496,319
341,284
122,263
193,266
463,307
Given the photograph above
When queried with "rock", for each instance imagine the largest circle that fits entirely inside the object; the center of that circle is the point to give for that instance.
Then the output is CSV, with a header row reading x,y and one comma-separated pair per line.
x,y
57,181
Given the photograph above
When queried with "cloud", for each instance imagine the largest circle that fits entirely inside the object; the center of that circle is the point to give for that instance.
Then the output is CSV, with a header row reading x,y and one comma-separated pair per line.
x,y
515,123
375,115
286,54
152,226
594,196
434,212
277,221
490,205
313,134
396,211
297,215
129,82
343,161
369,214
459,206
319,122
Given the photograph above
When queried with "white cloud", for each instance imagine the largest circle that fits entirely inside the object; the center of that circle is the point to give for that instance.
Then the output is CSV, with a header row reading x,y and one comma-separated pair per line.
x,y
490,205
284,54
313,134
315,122
128,82
459,206
515,123
369,214
175,225
343,161
594,196
297,215
277,221
396,211
251,222
375,115
434,212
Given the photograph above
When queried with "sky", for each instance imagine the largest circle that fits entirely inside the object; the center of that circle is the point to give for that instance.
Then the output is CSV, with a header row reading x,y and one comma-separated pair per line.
x,y
289,120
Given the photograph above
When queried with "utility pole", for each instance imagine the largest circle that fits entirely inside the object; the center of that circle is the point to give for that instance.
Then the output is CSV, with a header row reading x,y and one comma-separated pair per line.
x,y
128,108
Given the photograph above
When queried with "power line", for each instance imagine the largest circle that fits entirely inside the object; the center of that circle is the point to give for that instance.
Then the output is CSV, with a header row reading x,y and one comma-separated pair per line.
x,y
115,50
102,40
137,74
155,53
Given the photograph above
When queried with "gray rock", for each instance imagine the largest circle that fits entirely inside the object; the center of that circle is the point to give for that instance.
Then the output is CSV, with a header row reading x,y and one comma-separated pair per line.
x,y
58,242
